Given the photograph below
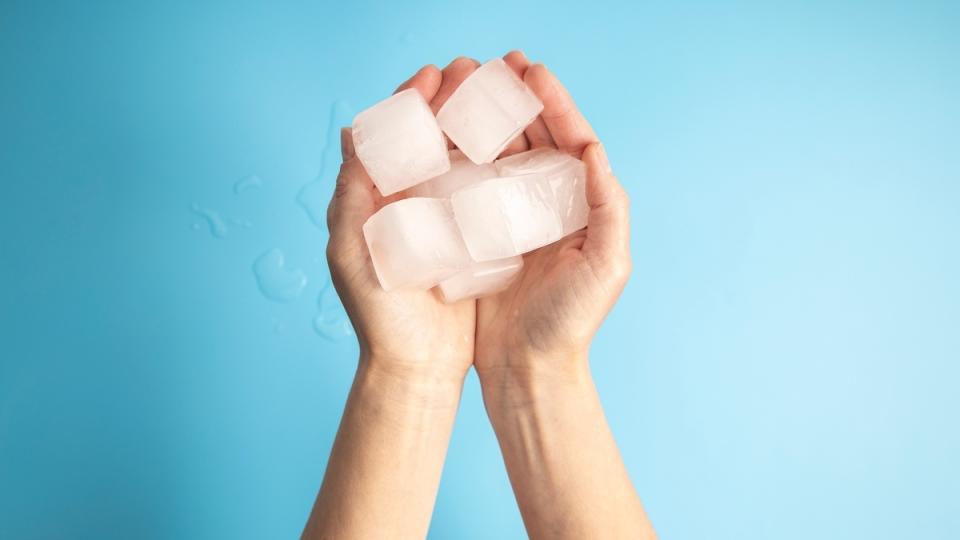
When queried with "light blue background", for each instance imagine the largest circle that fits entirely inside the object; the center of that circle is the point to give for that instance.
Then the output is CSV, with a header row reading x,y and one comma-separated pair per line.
x,y
784,363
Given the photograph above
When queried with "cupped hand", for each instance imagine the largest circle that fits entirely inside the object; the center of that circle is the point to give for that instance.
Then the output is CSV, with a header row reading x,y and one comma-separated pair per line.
x,y
549,314
408,332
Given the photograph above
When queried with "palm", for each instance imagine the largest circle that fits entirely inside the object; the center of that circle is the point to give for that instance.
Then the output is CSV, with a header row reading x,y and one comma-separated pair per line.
x,y
534,310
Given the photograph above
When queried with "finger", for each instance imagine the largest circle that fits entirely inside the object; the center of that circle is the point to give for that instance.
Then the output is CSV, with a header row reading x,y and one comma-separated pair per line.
x,y
569,129
455,73
353,199
517,61
347,150
426,81
537,134
608,223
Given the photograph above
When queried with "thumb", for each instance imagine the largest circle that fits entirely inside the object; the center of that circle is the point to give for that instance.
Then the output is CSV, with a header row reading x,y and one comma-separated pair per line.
x,y
608,223
347,150
353,198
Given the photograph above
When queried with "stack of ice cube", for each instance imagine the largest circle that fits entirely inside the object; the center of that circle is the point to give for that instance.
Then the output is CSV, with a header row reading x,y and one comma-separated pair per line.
x,y
465,219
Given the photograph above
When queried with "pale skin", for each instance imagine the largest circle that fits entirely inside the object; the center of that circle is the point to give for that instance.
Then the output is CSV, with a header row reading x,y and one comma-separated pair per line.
x,y
529,345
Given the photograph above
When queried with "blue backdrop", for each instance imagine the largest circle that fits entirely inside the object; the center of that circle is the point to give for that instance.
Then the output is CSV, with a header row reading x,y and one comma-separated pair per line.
x,y
784,363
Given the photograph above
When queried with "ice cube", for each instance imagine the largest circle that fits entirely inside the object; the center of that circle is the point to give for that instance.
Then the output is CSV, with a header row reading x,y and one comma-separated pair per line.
x,y
569,184
568,178
462,173
489,109
415,243
399,142
481,279
503,217
531,161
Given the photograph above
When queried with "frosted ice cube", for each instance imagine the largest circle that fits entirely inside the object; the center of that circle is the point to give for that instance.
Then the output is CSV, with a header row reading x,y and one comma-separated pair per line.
x,y
481,279
489,109
399,142
568,178
462,173
531,161
503,217
415,243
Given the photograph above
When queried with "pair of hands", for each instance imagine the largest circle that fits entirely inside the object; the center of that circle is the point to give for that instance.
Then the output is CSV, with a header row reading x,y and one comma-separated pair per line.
x,y
544,322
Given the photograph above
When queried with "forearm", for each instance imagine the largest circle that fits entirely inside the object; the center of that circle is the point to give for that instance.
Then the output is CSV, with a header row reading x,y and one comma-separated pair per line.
x,y
566,470
384,469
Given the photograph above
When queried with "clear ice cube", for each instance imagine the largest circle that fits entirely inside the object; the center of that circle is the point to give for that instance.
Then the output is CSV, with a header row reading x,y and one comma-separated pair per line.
x,y
481,279
462,173
488,110
399,142
503,217
415,243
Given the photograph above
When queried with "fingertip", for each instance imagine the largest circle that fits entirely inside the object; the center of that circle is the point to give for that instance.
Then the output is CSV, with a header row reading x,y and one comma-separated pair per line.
x,y
426,80
430,72
516,54
602,186
517,61
536,76
347,148
463,62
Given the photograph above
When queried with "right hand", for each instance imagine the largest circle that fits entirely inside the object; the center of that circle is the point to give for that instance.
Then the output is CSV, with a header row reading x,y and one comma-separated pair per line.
x,y
547,318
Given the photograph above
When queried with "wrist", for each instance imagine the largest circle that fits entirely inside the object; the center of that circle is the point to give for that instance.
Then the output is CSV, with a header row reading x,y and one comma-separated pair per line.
x,y
430,386
522,381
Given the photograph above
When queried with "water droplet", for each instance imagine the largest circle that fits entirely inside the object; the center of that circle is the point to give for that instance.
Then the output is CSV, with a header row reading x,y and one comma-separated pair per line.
x,y
196,226
313,196
247,183
217,227
331,322
276,281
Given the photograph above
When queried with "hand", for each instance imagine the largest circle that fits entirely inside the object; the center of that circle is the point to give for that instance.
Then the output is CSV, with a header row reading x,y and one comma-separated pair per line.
x,y
548,316
406,332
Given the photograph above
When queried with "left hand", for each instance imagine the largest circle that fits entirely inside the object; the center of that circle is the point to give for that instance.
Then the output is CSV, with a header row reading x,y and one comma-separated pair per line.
x,y
409,333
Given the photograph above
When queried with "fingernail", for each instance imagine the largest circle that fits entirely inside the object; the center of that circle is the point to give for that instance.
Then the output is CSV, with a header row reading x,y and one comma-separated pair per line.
x,y
602,157
347,150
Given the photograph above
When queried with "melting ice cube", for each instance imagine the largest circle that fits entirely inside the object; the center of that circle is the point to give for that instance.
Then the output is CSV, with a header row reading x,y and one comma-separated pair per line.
x,y
567,176
399,142
503,217
481,279
415,243
489,109
462,173
531,161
